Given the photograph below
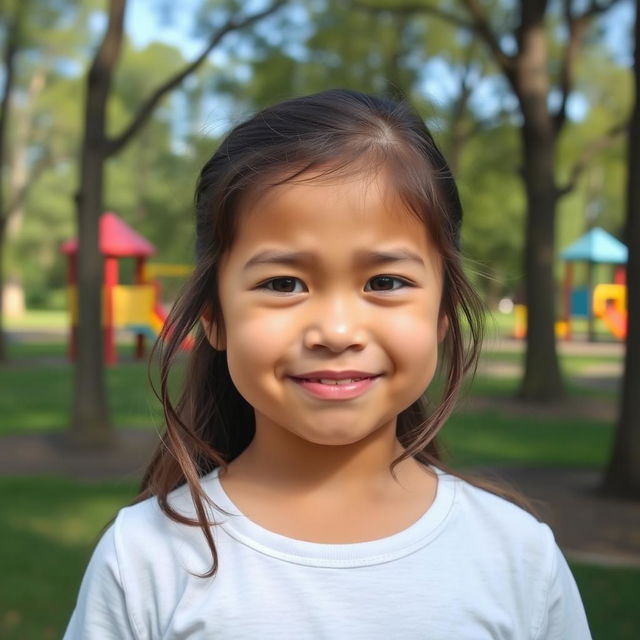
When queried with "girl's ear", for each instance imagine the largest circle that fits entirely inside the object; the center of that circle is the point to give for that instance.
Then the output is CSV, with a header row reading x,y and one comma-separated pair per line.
x,y
443,327
213,332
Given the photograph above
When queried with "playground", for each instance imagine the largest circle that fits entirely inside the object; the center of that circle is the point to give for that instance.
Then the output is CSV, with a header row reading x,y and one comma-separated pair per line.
x,y
135,308
601,297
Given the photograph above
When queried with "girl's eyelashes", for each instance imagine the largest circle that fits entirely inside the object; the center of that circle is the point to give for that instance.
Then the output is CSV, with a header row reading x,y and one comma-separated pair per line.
x,y
386,283
284,284
290,284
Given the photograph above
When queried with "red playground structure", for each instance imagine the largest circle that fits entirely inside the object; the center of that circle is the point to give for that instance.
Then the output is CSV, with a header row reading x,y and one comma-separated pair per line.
x,y
133,307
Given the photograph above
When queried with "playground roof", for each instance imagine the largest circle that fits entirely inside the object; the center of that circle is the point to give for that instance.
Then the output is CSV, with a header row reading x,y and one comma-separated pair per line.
x,y
596,246
117,239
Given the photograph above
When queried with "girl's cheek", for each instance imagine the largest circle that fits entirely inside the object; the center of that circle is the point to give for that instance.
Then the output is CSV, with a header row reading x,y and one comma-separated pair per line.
x,y
259,337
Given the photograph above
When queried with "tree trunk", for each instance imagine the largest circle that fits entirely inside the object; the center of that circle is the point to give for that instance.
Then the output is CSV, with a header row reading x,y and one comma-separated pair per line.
x,y
623,474
90,424
12,36
542,380
4,356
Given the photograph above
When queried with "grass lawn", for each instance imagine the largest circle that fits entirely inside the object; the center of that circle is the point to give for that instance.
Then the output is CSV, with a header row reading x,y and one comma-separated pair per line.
x,y
49,525
37,389
488,437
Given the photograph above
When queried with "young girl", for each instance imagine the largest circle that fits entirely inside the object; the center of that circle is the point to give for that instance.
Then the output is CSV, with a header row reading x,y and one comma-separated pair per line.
x,y
298,491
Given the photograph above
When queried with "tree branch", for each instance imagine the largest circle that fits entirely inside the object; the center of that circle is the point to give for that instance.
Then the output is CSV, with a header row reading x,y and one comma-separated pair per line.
x,y
590,152
576,27
478,24
40,166
482,27
596,7
412,8
115,144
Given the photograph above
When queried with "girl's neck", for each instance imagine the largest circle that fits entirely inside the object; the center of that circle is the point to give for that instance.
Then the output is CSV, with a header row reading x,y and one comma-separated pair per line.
x,y
289,465
329,494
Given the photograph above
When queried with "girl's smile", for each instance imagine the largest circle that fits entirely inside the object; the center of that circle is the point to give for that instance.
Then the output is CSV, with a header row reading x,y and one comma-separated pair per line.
x,y
336,385
330,296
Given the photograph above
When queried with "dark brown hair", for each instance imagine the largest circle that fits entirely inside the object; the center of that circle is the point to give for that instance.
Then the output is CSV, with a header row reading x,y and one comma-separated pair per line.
x,y
327,134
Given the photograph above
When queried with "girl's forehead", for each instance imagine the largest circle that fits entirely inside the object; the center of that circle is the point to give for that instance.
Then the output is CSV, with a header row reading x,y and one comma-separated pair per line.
x,y
332,218
358,193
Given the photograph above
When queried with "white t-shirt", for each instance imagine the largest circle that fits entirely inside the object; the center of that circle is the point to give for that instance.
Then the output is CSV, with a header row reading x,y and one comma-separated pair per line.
x,y
474,566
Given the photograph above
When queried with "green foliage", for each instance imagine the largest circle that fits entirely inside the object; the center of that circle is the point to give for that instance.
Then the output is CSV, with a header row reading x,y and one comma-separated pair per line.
x,y
492,231
47,223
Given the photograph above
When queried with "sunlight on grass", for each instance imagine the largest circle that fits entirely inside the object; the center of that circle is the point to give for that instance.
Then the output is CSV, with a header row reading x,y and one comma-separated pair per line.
x,y
39,319
71,524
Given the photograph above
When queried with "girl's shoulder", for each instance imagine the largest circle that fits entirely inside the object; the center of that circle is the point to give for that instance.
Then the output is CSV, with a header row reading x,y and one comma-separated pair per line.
x,y
147,520
497,523
474,498
147,544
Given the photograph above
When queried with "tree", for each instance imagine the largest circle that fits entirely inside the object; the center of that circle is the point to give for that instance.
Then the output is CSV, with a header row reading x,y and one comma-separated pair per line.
x,y
623,473
522,53
37,36
13,36
90,424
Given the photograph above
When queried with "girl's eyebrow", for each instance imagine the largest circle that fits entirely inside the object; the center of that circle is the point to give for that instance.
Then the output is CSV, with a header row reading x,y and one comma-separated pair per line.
x,y
294,258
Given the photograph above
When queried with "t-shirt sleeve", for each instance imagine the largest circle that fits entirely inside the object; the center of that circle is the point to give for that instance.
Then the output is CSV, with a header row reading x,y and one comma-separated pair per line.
x,y
101,610
564,617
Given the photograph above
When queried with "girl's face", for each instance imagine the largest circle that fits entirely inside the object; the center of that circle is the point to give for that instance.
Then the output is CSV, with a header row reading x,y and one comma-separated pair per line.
x,y
330,296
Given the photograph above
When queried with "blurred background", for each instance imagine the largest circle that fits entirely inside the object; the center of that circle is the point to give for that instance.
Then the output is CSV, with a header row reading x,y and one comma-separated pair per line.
x,y
108,110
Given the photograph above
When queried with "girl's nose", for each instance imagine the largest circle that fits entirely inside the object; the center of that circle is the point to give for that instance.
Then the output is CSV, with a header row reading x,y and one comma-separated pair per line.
x,y
337,326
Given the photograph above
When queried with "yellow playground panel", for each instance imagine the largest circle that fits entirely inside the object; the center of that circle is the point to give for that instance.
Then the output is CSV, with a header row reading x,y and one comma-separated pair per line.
x,y
520,324
606,296
610,304
133,304
155,270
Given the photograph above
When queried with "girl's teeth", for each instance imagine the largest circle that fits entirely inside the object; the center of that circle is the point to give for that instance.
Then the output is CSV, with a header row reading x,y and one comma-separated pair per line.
x,y
334,381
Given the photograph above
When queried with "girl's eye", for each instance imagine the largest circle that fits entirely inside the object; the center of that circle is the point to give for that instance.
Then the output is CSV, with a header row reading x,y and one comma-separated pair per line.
x,y
284,285
385,283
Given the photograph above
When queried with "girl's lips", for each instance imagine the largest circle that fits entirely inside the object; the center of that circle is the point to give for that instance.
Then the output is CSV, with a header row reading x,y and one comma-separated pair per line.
x,y
336,389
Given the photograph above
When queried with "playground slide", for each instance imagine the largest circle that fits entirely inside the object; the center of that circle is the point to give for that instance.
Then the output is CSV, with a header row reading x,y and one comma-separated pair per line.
x,y
616,322
157,318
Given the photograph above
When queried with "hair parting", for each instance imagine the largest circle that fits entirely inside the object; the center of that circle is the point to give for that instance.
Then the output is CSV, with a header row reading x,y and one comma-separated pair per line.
x,y
315,137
